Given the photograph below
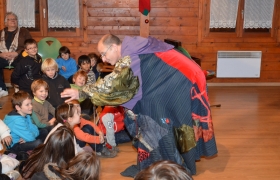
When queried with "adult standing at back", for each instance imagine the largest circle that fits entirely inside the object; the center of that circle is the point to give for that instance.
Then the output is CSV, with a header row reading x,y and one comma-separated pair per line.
x,y
171,99
11,45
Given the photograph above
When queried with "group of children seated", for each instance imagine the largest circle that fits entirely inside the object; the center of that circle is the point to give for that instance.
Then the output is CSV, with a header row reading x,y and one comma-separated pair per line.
x,y
39,111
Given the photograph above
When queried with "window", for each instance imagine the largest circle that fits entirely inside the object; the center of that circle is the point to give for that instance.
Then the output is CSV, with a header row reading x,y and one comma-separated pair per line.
x,y
46,23
239,18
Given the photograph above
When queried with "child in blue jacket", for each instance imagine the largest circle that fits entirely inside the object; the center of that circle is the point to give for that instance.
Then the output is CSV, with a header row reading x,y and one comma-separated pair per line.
x,y
67,66
25,134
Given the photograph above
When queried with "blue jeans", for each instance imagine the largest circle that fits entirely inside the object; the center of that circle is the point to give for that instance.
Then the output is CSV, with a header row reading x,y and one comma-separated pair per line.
x,y
27,146
89,129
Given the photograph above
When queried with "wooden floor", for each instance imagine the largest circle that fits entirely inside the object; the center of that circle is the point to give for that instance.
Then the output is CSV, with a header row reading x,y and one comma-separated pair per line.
x,y
247,130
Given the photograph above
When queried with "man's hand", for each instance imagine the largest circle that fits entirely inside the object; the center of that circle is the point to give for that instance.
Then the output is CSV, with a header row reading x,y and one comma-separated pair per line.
x,y
71,93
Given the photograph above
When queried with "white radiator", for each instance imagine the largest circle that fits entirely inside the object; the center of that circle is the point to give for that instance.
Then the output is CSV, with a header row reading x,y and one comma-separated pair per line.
x,y
238,64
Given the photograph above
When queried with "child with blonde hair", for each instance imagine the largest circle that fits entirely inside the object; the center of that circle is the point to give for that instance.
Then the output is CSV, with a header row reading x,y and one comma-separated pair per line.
x,y
56,82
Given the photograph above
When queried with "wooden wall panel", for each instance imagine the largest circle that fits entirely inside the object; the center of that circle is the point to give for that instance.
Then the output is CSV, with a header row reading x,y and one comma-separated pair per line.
x,y
112,4
188,4
113,12
174,21
113,21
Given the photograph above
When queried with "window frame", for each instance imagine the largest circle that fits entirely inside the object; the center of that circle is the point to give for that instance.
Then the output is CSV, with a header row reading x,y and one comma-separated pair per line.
x,y
44,22
204,12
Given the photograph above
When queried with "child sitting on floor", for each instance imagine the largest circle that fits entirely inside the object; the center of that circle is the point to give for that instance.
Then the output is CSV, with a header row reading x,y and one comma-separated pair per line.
x,y
112,125
59,149
43,112
56,82
85,165
7,163
67,66
163,170
67,114
84,64
94,60
87,132
80,78
28,67
25,134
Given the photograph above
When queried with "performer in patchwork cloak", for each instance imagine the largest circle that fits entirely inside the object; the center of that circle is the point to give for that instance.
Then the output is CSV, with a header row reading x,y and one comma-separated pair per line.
x,y
166,91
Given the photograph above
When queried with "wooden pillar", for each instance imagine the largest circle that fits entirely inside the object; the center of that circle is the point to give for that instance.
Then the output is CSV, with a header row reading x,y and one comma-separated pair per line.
x,y
85,21
144,25
2,13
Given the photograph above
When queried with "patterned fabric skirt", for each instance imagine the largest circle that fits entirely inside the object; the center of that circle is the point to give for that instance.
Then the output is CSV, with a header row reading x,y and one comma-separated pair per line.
x,y
169,101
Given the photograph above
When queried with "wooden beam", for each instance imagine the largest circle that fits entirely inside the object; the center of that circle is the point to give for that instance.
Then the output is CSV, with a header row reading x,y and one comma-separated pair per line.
x,y
144,25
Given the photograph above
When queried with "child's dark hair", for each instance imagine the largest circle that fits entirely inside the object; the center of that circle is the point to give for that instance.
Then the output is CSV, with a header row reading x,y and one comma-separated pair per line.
x,y
64,50
4,177
83,58
19,97
28,42
66,110
95,56
164,170
58,149
85,165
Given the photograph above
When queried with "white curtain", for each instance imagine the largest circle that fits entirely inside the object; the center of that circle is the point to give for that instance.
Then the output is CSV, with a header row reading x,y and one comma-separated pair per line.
x,y
223,13
25,10
258,13
63,13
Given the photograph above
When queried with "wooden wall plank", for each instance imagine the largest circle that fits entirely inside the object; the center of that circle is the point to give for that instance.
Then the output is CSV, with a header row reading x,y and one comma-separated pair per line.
x,y
174,21
113,12
114,21
188,4
114,3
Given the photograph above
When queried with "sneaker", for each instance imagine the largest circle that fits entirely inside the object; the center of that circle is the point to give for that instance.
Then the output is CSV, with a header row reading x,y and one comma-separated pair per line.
x,y
3,93
13,174
115,148
106,153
